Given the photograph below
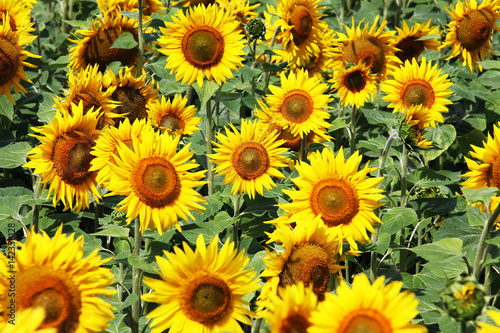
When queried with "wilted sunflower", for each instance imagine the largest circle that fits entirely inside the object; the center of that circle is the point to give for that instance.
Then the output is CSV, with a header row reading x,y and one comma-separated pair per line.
x,y
12,58
407,40
28,320
53,274
367,307
133,93
156,181
63,157
95,47
299,104
371,46
355,85
19,16
201,291
105,146
487,328
86,86
249,159
173,116
415,84
114,7
205,42
471,29
334,188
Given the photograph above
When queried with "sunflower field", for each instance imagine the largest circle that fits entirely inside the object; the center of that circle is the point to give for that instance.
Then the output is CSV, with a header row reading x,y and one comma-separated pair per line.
x,y
282,166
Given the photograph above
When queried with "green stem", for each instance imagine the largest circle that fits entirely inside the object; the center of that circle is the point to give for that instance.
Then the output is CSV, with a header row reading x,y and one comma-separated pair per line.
x,y
303,148
480,254
64,7
209,147
354,115
268,74
338,133
37,191
256,325
140,38
236,224
136,273
97,215
404,173
463,326
254,83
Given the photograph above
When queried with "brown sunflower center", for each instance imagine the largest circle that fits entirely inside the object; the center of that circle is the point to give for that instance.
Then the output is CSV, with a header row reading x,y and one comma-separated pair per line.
x,y
493,174
307,263
291,141
410,48
133,104
9,61
365,321
194,3
368,51
355,81
89,101
99,49
297,106
335,200
302,23
51,290
156,182
71,157
207,300
474,30
294,323
418,92
250,160
203,47
172,123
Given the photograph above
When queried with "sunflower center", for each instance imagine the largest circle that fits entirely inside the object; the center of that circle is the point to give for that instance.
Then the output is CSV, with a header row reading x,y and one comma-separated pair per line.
x,y
49,289
335,200
297,106
194,3
207,300
133,104
203,47
172,123
410,48
71,157
418,92
307,263
9,61
493,174
368,51
250,160
89,101
474,30
302,23
156,182
365,321
355,81
292,141
294,323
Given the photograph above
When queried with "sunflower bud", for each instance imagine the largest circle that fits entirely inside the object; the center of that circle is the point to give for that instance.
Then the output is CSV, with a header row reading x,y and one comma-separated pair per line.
x,y
464,298
256,28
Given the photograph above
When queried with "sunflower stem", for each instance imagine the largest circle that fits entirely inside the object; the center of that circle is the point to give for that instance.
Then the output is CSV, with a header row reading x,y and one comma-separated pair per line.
x,y
136,273
480,254
354,115
37,191
303,148
140,39
338,133
463,326
236,224
256,325
64,7
97,215
267,76
208,138
254,83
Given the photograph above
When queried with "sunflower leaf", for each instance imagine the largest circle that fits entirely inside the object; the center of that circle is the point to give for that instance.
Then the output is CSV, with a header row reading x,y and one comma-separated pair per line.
x,y
124,41
394,219
14,155
206,91
482,195
6,107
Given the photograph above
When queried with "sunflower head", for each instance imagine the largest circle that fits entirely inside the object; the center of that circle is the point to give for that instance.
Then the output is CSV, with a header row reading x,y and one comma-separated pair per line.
x,y
355,85
174,116
408,40
464,298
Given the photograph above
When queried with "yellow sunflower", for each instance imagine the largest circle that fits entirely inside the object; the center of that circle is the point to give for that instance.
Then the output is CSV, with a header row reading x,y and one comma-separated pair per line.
x,y
239,9
408,43
86,86
300,27
19,16
335,189
471,29
131,92
28,320
53,274
12,58
205,42
116,6
310,255
355,85
174,116
105,146
418,118
371,46
201,291
291,309
95,46
299,104
415,84
63,157
487,328
156,181
367,307
249,159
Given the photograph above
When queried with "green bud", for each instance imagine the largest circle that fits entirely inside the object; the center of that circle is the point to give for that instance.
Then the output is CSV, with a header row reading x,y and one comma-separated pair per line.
x,y
256,28
464,298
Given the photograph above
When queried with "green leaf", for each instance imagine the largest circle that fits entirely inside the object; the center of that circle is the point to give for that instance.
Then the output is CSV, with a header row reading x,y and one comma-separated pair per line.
x,y
78,24
144,263
380,118
206,91
482,195
442,250
131,299
380,246
429,37
425,177
46,113
6,107
423,280
214,204
448,325
442,137
461,88
9,208
219,223
124,41
114,231
490,64
14,155
394,219
272,68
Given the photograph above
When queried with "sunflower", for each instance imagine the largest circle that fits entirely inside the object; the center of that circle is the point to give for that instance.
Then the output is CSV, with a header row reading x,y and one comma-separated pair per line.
x,y
12,58
367,307
408,43
53,274
334,188
310,255
201,291
206,41
355,85
116,6
95,46
300,27
487,328
418,118
133,93
239,9
470,31
86,86
291,309
416,84
156,181
248,159
173,116
300,104
19,16
28,320
106,143
63,157
371,46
